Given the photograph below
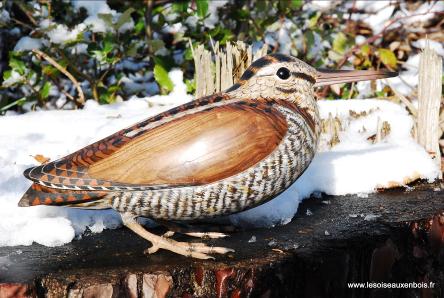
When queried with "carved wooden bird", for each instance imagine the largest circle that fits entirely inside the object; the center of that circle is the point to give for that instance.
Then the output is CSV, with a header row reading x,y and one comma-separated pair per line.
x,y
214,156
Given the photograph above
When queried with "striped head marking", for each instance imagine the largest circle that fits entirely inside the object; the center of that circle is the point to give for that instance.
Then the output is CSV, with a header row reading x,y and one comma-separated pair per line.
x,y
277,75
281,75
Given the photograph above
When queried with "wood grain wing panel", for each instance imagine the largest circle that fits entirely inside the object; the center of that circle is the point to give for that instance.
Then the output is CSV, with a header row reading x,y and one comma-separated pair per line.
x,y
198,148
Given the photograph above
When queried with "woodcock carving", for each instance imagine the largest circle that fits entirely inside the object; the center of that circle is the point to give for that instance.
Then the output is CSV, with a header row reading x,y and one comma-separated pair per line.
x,y
214,156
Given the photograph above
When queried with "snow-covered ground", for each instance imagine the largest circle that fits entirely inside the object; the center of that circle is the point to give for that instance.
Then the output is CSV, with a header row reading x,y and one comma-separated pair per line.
x,y
354,165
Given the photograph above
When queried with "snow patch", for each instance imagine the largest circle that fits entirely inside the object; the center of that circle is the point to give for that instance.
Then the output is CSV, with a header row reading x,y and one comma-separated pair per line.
x,y
94,8
27,43
55,134
61,34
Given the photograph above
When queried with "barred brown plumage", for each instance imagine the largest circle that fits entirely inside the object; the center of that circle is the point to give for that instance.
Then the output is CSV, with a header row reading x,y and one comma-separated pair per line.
x,y
214,156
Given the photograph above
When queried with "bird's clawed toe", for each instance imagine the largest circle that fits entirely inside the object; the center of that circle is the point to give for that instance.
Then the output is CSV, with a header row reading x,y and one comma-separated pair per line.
x,y
211,235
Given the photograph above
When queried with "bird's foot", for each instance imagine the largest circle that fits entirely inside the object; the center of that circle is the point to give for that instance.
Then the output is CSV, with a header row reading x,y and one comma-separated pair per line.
x,y
188,249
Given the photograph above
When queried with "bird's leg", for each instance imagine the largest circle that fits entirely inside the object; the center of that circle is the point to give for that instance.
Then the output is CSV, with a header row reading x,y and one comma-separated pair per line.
x,y
194,250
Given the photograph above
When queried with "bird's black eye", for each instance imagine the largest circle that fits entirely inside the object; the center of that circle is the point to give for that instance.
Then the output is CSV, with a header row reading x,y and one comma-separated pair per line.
x,y
283,73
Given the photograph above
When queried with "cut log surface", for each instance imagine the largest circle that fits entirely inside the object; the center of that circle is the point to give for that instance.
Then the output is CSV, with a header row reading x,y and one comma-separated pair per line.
x,y
391,236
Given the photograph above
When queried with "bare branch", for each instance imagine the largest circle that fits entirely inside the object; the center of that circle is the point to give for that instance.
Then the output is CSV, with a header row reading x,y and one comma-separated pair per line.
x,y
41,55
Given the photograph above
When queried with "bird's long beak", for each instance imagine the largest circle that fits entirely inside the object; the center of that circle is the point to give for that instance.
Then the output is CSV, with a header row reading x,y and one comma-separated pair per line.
x,y
330,77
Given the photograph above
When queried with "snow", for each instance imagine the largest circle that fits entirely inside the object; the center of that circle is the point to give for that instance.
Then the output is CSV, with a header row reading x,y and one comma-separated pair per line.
x,y
437,46
377,14
422,14
4,16
61,34
213,17
27,43
355,165
94,9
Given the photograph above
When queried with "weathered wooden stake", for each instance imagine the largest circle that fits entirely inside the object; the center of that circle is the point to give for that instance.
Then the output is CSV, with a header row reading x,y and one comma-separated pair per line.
x,y
429,102
219,73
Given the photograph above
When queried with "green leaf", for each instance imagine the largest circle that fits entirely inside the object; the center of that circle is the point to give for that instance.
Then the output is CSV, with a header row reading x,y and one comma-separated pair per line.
x,y
7,74
309,38
202,8
132,50
44,92
107,18
161,77
191,85
113,88
108,45
180,6
50,70
313,21
166,62
156,44
365,50
124,18
140,25
387,57
106,98
296,4
340,43
188,54
17,65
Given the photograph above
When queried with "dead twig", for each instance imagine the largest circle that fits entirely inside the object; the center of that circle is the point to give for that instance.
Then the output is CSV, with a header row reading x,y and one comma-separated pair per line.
x,y
40,54
404,100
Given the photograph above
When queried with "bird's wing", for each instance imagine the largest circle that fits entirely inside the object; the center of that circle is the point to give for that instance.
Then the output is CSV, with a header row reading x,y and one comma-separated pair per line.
x,y
197,143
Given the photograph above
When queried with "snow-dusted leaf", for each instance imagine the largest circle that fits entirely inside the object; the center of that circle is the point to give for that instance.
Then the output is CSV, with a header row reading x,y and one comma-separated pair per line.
x,y
18,65
107,18
124,18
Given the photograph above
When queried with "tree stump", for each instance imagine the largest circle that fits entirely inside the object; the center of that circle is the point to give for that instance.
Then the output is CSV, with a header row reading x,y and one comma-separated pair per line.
x,y
391,236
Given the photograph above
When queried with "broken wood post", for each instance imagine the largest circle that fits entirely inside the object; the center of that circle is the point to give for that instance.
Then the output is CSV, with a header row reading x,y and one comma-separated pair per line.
x,y
429,102
221,68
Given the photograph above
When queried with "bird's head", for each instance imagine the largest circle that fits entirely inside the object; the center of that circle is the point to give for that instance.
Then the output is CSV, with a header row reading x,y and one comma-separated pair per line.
x,y
286,77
